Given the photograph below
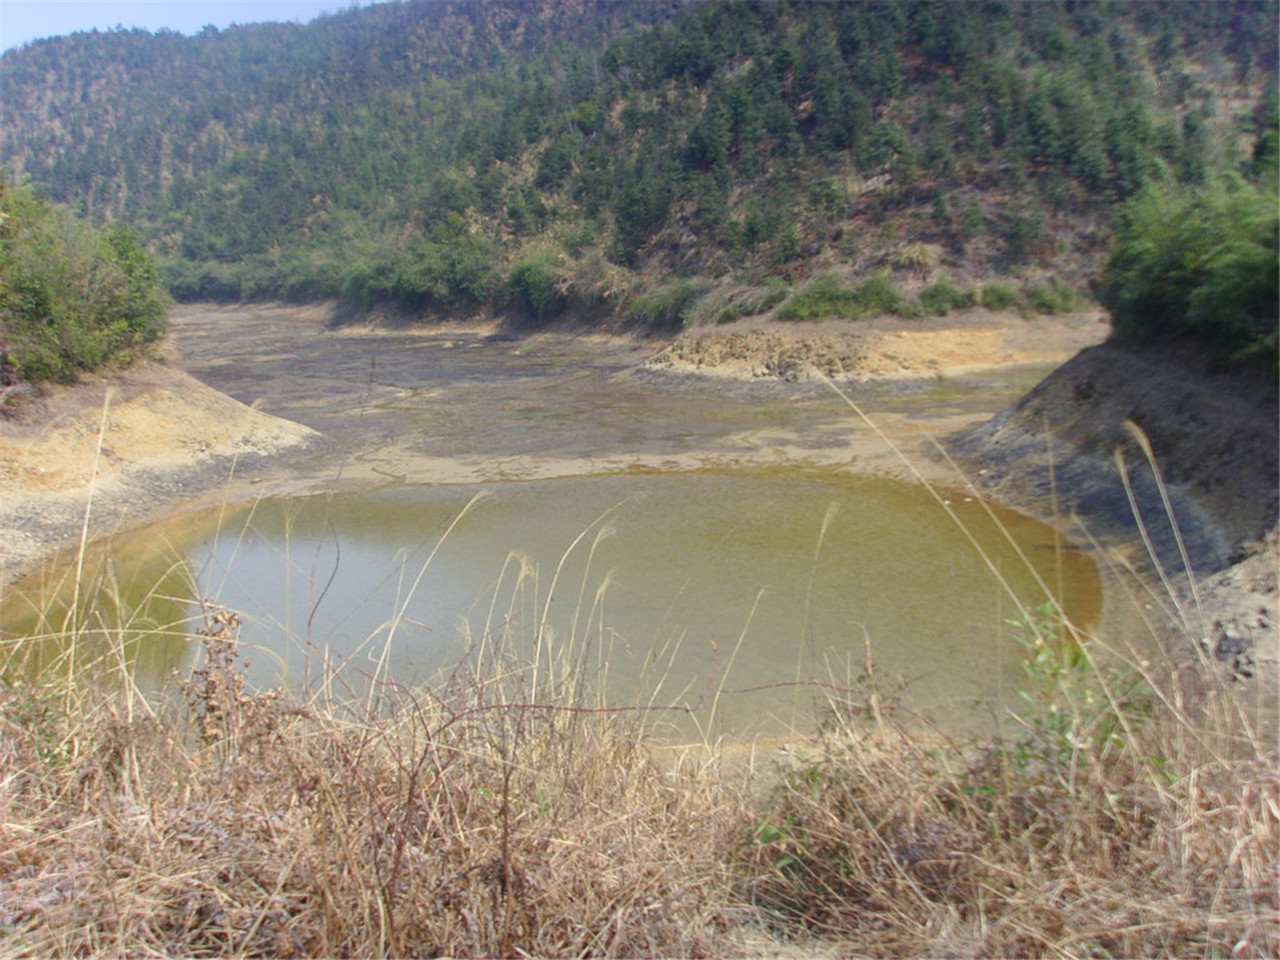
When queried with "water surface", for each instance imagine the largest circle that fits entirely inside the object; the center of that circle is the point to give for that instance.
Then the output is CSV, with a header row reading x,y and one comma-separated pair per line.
x,y
762,592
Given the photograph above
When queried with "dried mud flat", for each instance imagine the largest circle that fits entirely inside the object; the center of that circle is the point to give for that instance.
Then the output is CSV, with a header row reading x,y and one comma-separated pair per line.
x,y
170,439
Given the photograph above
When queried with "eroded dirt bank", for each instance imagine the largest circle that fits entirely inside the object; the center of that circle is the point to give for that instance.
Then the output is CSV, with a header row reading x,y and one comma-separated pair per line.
x,y
124,448
1081,445
881,349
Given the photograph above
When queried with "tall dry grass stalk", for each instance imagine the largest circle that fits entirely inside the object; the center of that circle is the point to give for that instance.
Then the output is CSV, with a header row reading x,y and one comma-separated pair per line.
x,y
507,810
462,820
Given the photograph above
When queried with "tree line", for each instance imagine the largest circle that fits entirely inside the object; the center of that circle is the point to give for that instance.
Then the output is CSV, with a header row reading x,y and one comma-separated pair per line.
x,y
444,157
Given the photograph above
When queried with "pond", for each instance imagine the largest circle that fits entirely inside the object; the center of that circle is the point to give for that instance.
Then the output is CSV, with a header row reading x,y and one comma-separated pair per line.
x,y
742,600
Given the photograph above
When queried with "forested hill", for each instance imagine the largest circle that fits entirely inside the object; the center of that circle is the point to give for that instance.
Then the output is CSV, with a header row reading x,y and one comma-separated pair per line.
x,y
643,160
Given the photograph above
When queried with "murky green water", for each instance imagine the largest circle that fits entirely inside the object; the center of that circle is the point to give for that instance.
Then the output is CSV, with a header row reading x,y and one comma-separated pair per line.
x,y
759,591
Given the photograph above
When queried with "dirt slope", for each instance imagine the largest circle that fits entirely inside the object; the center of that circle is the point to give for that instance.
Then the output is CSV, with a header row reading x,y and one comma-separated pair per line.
x,y
1214,439
886,348
166,437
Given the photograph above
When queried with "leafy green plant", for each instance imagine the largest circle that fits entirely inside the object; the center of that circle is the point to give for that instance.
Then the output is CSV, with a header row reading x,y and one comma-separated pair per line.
x,y
1073,712
999,296
1054,296
827,295
72,297
877,295
532,283
945,295
1199,266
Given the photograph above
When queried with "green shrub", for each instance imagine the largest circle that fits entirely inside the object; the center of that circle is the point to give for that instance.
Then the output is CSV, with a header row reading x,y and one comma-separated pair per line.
x,y
1000,296
1199,266
533,287
827,296
944,296
824,296
72,297
877,295
666,307
1056,296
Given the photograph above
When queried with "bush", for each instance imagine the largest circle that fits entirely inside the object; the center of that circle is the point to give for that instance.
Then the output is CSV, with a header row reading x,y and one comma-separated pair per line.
x,y
877,295
1199,266
533,284
826,296
944,296
72,298
1056,296
1000,296
666,307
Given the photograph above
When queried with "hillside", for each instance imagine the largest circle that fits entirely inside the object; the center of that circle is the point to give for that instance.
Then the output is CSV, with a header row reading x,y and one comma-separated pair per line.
x,y
650,164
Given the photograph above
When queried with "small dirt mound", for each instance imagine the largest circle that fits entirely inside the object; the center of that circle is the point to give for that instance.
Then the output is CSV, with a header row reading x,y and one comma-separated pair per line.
x,y
885,349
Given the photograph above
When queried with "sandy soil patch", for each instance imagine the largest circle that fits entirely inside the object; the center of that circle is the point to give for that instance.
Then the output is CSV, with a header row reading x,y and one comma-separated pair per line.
x,y
852,445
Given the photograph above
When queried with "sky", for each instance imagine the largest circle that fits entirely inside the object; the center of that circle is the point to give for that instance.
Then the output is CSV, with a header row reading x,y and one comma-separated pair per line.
x,y
25,20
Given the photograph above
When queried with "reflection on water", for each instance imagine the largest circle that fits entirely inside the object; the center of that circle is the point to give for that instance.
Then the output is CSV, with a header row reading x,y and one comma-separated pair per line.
x,y
768,587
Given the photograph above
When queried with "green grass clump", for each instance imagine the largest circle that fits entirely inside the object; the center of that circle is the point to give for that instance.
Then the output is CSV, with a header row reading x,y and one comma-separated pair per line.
x,y
826,295
1055,296
665,307
1000,296
945,295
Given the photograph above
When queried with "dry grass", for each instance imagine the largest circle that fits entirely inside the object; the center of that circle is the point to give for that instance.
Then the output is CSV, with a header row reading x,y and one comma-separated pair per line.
x,y
1078,840
481,818
464,821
